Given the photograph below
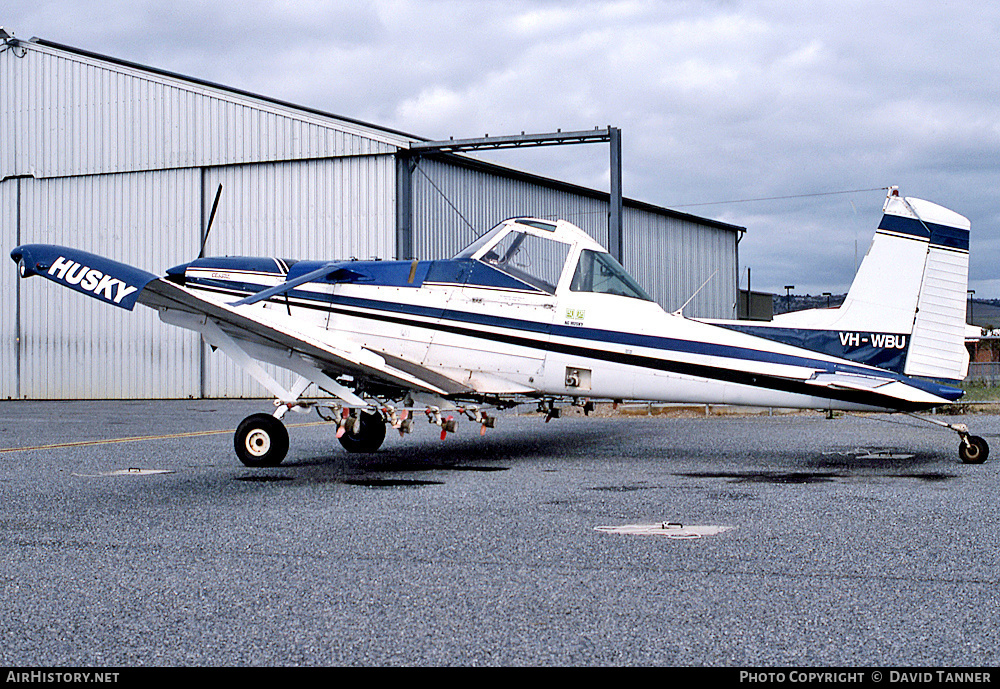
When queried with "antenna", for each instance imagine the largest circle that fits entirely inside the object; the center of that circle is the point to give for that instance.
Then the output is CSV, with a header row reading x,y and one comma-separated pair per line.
x,y
679,312
211,217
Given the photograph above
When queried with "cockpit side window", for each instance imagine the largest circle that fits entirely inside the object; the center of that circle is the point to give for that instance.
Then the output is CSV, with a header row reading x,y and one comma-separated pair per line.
x,y
599,272
535,260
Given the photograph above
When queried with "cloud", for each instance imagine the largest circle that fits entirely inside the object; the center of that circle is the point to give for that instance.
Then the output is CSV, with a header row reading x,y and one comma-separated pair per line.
x,y
716,100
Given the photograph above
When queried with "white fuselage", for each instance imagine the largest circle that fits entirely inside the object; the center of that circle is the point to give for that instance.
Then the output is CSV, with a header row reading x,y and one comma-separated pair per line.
x,y
580,344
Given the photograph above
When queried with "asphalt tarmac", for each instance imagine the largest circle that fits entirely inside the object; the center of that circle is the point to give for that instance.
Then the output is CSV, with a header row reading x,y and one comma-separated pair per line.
x,y
857,541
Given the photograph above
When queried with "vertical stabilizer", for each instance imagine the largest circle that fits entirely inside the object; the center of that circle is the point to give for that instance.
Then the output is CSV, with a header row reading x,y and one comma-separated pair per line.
x,y
884,295
885,291
905,310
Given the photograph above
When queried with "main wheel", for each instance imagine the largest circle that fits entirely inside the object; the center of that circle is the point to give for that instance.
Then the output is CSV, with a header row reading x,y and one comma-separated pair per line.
x,y
975,451
261,441
371,433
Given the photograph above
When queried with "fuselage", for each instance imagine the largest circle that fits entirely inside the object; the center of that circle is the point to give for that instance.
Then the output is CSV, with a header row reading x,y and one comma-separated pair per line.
x,y
563,321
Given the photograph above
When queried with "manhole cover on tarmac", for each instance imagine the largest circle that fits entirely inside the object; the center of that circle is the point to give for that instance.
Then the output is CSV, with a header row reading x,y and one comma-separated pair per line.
x,y
867,453
134,471
884,454
668,529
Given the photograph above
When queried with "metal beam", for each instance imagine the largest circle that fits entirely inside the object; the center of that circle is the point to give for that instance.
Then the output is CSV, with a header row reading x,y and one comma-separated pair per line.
x,y
404,208
517,141
408,156
615,231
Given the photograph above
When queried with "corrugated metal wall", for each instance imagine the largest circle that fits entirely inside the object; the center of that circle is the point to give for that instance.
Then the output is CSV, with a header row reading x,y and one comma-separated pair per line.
x,y
8,291
670,256
8,88
124,162
334,208
77,347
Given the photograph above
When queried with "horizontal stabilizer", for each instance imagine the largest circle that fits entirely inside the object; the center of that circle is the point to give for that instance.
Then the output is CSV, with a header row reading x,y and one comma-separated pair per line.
x,y
922,392
109,281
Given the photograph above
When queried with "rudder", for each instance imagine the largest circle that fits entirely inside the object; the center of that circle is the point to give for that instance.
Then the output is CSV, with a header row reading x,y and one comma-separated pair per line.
x,y
937,343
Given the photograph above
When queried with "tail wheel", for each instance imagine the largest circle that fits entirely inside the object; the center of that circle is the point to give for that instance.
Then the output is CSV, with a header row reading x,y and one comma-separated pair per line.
x,y
973,450
370,434
261,441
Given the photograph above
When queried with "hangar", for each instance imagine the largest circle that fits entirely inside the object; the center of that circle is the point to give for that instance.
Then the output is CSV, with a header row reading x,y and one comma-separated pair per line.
x,y
125,160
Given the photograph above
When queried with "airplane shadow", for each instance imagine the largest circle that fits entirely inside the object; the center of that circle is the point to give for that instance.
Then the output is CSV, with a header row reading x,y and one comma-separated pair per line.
x,y
484,454
498,452
796,467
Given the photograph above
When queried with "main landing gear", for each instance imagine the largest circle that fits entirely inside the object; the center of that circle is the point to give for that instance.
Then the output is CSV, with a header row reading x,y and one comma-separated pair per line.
x,y
261,440
363,432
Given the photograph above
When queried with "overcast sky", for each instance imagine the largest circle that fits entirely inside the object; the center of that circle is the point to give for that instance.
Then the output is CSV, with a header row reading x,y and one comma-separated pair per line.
x,y
717,101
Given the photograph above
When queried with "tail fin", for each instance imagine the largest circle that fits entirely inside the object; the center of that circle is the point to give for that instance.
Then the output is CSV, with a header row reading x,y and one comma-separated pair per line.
x,y
905,310
886,290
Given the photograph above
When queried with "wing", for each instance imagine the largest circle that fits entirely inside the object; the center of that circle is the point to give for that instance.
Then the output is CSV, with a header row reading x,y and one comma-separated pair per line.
x,y
247,334
296,349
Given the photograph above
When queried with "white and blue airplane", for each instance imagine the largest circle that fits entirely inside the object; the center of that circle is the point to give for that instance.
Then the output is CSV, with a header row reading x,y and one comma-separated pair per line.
x,y
536,311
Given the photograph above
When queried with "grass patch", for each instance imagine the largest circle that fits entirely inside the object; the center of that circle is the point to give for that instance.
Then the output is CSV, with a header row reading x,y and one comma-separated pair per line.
x,y
978,392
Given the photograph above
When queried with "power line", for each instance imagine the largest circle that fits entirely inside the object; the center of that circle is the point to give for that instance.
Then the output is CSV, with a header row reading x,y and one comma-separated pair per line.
x,y
778,198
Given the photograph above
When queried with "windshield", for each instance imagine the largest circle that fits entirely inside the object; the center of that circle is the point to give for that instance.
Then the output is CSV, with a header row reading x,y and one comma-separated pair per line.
x,y
535,260
600,272
482,241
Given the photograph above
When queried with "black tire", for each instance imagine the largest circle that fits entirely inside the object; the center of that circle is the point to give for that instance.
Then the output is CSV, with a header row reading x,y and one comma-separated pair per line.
x,y
975,451
261,441
369,437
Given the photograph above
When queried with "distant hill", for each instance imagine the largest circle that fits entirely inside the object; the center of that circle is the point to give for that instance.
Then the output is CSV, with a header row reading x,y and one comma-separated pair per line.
x,y
985,313
801,302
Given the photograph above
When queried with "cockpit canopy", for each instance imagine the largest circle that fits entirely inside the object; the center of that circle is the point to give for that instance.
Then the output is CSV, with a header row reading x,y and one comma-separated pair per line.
x,y
540,252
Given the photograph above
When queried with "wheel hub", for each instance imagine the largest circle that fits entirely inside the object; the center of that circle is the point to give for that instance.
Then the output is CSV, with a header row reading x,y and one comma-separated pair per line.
x,y
258,443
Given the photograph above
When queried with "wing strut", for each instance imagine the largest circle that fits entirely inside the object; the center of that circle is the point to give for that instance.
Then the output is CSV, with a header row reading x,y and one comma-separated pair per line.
x,y
286,286
307,373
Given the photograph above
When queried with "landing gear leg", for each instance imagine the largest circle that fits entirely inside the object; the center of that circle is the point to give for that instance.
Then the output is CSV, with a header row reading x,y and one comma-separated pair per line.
x,y
261,440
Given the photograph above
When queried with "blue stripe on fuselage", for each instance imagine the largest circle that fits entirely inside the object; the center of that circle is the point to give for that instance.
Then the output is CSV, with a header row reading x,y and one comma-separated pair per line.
x,y
882,350
464,322
458,272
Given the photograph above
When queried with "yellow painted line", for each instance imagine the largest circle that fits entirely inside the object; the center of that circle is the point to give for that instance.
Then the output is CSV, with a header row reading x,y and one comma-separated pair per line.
x,y
139,438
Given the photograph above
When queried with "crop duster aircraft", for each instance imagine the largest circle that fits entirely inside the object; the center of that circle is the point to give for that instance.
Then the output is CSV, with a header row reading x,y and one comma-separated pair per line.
x,y
536,311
